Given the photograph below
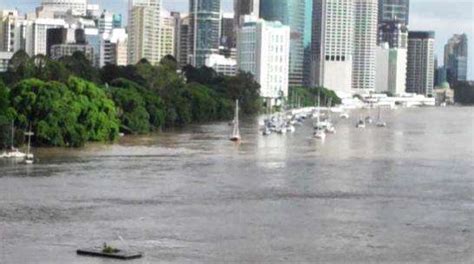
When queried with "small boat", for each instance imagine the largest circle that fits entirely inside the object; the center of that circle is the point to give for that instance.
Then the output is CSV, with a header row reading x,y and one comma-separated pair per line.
x,y
236,131
13,153
344,116
380,122
360,123
330,129
368,120
266,131
29,158
319,134
290,128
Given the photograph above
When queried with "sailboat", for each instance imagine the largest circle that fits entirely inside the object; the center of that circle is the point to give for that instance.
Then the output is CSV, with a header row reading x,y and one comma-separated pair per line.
x,y
236,131
330,129
319,128
380,122
29,159
360,123
13,152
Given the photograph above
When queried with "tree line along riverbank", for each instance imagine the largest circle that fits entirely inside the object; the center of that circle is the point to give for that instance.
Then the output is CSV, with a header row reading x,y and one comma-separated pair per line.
x,y
68,102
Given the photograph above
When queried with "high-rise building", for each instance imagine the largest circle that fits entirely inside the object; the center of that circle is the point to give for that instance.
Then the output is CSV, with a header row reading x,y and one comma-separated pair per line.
x,y
292,14
113,47
243,8
393,33
7,30
144,31
332,44
228,37
77,7
307,42
35,34
394,11
105,22
183,50
365,43
263,49
391,70
204,30
455,58
167,34
420,62
57,36
61,50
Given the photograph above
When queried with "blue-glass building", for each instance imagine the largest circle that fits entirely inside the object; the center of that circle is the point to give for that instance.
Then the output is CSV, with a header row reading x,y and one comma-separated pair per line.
x,y
204,29
291,13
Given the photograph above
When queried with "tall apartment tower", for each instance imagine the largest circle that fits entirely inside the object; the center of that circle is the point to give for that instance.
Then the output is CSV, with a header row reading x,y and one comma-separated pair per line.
x,y
243,8
420,65
332,44
8,30
184,44
394,11
204,30
263,50
292,14
455,58
167,34
144,31
365,43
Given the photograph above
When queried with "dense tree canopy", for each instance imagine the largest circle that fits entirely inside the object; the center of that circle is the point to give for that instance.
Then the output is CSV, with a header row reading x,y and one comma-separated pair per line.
x,y
69,102
64,114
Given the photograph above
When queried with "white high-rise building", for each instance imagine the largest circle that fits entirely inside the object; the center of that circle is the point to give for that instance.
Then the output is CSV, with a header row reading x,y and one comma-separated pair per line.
x,y
365,43
9,21
77,7
333,38
105,22
391,70
167,34
35,32
113,47
264,49
144,31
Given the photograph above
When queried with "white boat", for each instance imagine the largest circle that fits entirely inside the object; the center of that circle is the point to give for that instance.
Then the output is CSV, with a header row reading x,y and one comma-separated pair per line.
x,y
360,123
290,128
236,130
319,134
266,131
344,116
330,129
380,122
29,159
13,153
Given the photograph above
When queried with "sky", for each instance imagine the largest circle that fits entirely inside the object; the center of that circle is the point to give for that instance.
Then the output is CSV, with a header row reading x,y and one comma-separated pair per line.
x,y
445,17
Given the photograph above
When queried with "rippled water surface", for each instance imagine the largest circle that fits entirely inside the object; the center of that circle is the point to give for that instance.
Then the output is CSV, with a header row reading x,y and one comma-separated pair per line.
x,y
404,193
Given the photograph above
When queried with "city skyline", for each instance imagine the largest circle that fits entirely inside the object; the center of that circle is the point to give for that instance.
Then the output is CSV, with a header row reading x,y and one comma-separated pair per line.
x,y
435,15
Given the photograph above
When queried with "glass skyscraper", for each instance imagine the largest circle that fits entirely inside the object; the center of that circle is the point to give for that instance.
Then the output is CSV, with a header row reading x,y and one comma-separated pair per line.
x,y
292,14
204,29
455,58
394,11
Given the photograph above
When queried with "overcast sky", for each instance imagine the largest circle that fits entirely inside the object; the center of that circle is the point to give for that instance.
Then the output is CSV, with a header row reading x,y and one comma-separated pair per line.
x,y
445,17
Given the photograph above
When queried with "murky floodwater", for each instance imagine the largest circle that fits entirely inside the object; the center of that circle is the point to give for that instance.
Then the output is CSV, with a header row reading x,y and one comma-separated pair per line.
x,y
399,194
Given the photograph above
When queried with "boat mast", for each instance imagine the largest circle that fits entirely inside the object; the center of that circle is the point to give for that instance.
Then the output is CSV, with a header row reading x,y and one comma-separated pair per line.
x,y
13,133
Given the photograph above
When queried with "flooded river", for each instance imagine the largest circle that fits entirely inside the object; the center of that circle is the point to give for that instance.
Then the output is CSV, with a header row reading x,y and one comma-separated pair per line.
x,y
404,193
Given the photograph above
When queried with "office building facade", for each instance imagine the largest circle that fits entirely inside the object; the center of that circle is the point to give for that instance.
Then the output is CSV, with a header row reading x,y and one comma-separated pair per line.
x,y
332,44
420,62
263,49
144,31
204,30
292,14
365,43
